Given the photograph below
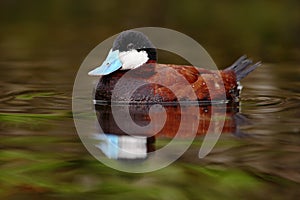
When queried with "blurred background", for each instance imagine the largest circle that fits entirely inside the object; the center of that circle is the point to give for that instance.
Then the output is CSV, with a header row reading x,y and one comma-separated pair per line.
x,y
268,30
42,44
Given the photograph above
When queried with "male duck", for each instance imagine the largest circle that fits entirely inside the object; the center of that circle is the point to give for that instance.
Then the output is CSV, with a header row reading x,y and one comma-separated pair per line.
x,y
132,50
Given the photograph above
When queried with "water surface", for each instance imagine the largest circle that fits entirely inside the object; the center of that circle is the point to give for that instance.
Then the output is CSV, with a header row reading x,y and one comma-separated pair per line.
x,y
42,157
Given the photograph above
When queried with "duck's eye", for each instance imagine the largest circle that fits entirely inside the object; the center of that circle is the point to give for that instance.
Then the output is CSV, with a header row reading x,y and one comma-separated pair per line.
x,y
107,63
130,46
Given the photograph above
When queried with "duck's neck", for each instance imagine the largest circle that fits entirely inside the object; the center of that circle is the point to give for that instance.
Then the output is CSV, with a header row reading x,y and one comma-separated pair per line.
x,y
151,61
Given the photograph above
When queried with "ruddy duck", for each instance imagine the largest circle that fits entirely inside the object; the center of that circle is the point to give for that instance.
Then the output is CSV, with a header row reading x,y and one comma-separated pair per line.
x,y
132,50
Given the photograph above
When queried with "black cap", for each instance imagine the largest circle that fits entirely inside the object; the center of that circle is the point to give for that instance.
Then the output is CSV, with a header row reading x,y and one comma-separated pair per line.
x,y
130,39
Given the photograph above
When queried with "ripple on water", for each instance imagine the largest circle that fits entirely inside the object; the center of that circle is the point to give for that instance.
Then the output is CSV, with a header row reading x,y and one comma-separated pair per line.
x,y
272,99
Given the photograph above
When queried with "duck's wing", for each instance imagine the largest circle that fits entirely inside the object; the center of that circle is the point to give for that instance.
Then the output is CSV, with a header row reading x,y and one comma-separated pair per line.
x,y
170,83
173,79
169,79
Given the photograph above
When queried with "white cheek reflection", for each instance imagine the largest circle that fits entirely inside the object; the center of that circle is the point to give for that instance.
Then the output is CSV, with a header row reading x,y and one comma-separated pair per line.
x,y
122,146
133,59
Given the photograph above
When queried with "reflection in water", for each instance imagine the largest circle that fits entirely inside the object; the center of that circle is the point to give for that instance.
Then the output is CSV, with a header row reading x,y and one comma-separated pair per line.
x,y
117,144
41,155
124,146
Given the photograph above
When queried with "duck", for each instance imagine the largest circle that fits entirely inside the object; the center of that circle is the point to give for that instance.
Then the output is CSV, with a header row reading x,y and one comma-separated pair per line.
x,y
133,52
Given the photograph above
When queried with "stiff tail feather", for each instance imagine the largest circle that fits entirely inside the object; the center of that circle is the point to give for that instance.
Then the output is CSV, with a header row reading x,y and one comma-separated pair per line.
x,y
242,67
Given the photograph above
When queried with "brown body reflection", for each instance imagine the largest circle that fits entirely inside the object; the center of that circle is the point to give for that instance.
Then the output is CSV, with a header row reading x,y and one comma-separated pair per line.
x,y
116,143
140,116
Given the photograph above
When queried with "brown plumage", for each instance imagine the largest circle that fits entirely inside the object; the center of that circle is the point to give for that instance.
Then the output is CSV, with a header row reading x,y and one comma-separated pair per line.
x,y
131,73
206,84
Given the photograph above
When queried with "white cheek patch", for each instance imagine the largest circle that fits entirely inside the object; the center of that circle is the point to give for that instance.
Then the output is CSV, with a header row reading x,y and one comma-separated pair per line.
x,y
133,59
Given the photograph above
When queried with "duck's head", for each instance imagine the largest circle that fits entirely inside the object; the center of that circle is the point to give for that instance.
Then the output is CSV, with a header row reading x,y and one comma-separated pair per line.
x,y
130,50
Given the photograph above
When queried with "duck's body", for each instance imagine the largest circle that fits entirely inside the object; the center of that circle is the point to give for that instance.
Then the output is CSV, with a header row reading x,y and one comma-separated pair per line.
x,y
151,73
206,84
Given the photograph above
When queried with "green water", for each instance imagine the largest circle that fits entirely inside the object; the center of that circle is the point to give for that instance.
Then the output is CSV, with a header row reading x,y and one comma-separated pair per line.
x,y
41,155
